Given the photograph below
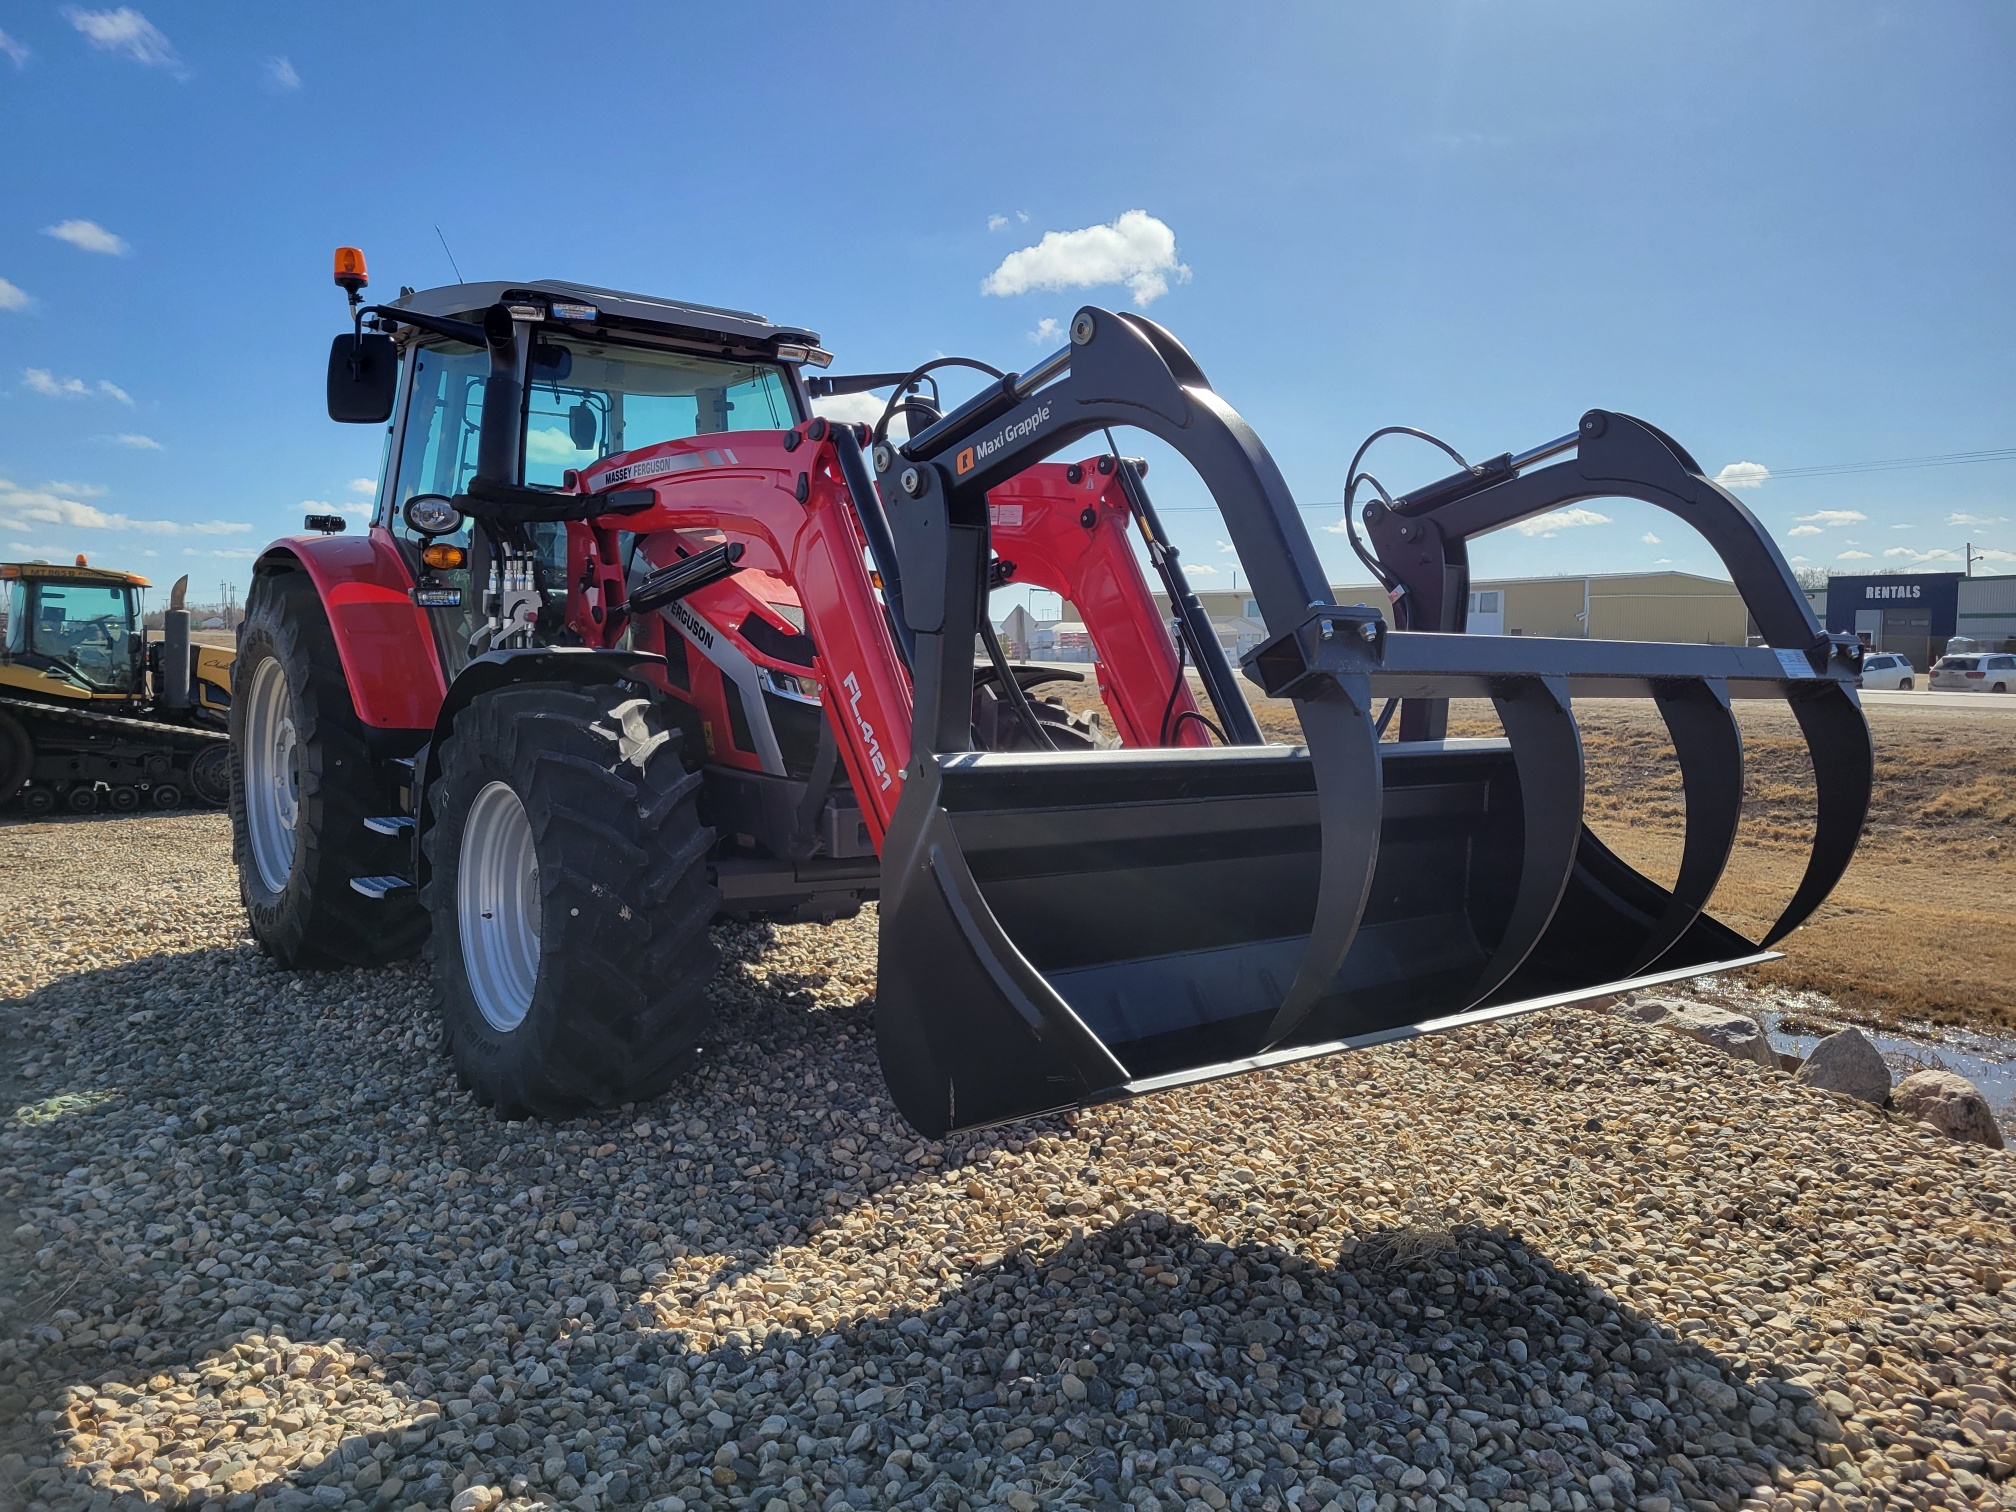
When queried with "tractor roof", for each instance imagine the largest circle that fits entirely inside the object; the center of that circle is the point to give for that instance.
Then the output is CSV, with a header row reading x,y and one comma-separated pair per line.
x,y
49,573
615,310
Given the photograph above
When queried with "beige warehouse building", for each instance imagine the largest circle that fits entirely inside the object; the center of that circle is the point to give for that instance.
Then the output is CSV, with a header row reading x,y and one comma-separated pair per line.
x,y
1635,606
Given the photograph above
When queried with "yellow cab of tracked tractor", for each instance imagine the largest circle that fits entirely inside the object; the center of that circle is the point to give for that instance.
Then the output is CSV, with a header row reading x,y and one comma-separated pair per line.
x,y
71,636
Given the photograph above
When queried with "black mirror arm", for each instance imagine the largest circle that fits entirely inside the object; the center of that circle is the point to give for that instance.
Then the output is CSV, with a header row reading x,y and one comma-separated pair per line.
x,y
467,331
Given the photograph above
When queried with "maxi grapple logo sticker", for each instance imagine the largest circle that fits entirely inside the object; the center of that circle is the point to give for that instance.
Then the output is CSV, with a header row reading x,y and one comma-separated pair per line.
x,y
980,451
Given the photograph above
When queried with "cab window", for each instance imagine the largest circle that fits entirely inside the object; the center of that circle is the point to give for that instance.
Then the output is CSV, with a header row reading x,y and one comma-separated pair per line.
x,y
589,400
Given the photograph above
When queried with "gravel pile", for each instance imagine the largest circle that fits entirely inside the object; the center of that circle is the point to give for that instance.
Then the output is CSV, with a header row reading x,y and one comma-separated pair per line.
x,y
261,1253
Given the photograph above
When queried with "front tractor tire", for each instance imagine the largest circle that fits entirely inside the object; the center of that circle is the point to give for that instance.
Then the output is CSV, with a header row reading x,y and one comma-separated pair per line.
x,y
568,887
302,784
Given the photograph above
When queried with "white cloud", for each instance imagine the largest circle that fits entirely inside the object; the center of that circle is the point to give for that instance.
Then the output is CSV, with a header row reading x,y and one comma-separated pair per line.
x,y
21,507
1936,554
1993,554
236,553
1228,547
1649,539
1802,559
1136,250
13,296
1853,556
1200,568
1972,519
1743,475
76,490
996,222
1910,527
15,52
280,74
1663,562
1832,517
1547,526
42,381
364,485
126,31
137,443
860,409
1804,530
88,236
547,444
34,552
1047,331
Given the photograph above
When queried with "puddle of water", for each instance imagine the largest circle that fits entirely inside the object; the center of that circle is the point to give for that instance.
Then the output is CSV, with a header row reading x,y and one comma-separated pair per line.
x,y
1986,1060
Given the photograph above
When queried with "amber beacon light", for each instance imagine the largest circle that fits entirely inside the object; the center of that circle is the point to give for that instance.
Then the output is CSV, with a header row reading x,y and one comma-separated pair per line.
x,y
351,274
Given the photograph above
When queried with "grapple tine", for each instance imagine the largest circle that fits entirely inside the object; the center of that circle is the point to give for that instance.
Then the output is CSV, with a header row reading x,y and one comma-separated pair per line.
x,y
1710,747
1547,752
1844,770
1344,746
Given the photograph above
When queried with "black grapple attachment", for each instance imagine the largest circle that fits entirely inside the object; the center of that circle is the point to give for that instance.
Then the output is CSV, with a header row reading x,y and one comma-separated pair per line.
x,y
1060,929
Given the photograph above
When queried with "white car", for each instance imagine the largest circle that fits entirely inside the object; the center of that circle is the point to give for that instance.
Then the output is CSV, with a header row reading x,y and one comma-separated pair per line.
x,y
1976,672
1883,670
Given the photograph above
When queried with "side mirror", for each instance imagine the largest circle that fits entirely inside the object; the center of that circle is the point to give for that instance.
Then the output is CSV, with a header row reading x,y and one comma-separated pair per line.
x,y
581,427
363,378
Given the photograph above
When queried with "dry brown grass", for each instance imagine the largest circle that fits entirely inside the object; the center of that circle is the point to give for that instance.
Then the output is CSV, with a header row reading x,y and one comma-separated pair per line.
x,y
1918,930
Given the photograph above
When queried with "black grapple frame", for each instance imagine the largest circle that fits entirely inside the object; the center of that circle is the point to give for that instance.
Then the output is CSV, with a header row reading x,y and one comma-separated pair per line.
x,y
1061,929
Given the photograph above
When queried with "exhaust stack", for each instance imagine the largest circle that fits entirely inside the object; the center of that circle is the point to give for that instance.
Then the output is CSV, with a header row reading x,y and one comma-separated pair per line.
x,y
173,692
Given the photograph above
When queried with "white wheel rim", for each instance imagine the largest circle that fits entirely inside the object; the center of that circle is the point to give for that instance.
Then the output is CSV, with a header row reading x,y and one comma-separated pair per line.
x,y
497,906
272,775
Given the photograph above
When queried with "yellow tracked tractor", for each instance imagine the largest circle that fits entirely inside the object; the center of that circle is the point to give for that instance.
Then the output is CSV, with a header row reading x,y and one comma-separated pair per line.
x,y
90,712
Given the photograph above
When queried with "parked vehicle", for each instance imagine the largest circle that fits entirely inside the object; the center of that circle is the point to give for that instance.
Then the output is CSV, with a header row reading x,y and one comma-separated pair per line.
x,y
1975,673
1887,670
635,638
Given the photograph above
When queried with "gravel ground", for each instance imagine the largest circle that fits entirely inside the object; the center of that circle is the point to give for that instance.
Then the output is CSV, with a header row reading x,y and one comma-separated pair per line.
x,y
259,1252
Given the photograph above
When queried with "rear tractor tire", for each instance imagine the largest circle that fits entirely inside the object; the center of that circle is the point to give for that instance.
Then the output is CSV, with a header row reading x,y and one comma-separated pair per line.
x,y
567,883
301,785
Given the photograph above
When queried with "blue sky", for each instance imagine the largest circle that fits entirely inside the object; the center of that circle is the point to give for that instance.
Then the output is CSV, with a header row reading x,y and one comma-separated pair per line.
x,y
1781,233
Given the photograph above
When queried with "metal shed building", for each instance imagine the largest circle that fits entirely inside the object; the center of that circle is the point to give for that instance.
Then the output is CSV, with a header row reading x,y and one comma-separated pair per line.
x,y
1912,612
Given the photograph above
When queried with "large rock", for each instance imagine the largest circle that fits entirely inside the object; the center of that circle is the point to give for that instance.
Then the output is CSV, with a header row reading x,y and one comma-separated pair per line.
x,y
1950,1103
1736,1035
1847,1063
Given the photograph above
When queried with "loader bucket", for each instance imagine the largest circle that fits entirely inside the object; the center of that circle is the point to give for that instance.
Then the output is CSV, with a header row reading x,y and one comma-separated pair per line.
x,y
1062,929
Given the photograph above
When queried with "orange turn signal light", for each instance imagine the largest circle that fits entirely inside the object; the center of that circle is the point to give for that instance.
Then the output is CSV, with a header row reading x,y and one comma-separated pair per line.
x,y
443,558
81,562
351,273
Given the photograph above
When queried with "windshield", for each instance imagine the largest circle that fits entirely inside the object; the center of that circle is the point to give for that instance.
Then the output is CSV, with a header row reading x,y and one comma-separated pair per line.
x,y
85,626
587,401
596,399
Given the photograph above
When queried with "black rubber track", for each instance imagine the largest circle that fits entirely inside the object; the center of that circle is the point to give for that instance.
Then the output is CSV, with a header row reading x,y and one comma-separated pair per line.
x,y
619,1005
318,921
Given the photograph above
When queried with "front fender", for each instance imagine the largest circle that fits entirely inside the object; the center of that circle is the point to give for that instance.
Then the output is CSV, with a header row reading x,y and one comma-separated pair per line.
x,y
383,638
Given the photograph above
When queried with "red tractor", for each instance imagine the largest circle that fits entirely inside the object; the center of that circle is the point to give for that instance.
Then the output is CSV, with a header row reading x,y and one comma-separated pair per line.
x,y
635,639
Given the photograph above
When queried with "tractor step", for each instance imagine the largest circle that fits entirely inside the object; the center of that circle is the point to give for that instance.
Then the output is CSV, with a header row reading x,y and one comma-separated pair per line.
x,y
380,887
389,824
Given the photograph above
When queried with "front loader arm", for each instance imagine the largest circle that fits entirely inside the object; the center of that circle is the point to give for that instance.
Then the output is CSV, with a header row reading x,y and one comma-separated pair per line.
x,y
783,496
1067,529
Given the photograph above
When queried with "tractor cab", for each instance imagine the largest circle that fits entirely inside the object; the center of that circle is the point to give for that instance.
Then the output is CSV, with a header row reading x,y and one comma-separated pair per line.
x,y
579,374
72,633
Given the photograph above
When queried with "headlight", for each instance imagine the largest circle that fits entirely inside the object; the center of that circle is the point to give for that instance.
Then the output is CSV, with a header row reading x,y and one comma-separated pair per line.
x,y
790,685
433,515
